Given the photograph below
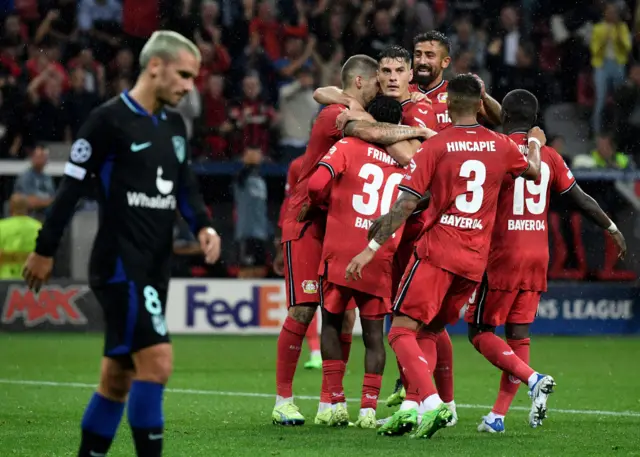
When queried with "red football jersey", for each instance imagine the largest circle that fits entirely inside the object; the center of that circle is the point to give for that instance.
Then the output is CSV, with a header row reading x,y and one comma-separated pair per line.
x,y
323,135
438,97
365,185
464,167
419,114
293,173
519,255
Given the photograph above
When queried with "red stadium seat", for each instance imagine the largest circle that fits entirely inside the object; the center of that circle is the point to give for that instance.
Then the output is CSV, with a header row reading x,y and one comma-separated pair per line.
x,y
557,268
607,272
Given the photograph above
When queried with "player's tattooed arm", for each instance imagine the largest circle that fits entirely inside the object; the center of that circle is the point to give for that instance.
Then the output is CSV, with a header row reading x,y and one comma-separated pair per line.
x,y
397,215
492,110
592,211
403,151
383,133
423,204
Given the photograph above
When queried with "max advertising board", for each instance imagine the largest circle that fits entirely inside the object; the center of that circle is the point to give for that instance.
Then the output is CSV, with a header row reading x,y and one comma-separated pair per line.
x,y
227,306
60,306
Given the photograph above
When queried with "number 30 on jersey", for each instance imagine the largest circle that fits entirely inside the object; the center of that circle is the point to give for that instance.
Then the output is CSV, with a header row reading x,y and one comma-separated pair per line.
x,y
367,204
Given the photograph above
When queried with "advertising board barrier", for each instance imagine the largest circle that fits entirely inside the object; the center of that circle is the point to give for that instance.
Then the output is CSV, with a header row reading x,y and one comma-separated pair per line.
x,y
248,307
60,306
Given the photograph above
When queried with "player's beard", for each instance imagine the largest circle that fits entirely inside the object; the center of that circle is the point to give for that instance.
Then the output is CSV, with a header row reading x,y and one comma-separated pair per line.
x,y
425,80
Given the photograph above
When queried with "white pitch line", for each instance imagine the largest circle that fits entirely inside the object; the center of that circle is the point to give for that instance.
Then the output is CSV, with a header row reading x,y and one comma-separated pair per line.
x,y
221,393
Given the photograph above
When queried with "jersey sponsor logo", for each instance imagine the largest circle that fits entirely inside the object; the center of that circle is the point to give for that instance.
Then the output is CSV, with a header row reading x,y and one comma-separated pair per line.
x,y
526,225
309,286
137,147
179,148
471,146
80,151
461,222
443,118
54,304
164,201
258,306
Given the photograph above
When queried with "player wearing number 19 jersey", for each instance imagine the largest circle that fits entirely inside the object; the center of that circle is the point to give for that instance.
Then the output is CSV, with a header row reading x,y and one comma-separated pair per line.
x,y
517,268
463,167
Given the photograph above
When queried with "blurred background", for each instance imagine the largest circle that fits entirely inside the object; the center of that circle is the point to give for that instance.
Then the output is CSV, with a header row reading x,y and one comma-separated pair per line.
x,y
252,109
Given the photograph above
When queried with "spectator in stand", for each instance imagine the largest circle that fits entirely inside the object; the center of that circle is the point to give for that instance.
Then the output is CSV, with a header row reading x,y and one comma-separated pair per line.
x,y
209,30
328,53
10,119
100,21
382,34
123,66
215,60
215,120
467,39
606,156
462,62
627,116
502,51
296,56
78,103
45,59
94,74
297,111
252,118
266,30
140,18
252,224
35,185
59,24
610,49
48,117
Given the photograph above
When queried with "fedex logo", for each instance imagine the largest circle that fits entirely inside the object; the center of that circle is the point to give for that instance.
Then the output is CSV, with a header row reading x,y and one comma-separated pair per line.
x,y
258,306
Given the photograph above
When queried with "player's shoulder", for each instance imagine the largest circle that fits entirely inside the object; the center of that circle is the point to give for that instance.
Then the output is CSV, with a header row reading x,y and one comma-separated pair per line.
x,y
331,110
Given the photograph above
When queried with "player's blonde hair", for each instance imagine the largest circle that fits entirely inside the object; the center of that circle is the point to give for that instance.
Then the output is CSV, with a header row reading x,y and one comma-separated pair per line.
x,y
166,44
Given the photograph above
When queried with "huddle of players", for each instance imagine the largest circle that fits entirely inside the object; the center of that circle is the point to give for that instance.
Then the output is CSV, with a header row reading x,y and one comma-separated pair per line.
x,y
433,247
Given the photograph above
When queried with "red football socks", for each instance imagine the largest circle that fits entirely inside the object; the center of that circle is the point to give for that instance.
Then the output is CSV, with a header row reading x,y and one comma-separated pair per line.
x,y
313,340
333,372
508,384
501,355
289,348
370,390
416,368
443,374
427,343
345,341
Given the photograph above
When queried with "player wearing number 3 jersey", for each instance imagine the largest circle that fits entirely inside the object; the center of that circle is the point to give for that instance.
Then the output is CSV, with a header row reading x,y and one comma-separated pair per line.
x,y
517,268
463,167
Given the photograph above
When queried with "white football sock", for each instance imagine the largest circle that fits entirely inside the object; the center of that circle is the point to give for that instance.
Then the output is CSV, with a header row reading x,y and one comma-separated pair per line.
x,y
323,406
281,400
491,417
408,404
315,354
430,403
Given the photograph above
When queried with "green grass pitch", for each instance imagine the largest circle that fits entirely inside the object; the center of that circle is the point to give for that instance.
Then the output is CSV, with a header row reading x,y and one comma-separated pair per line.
x,y
220,399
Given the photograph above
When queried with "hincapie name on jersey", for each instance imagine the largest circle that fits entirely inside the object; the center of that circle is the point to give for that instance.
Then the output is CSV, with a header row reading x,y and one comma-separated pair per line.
x,y
461,222
471,146
527,225
381,156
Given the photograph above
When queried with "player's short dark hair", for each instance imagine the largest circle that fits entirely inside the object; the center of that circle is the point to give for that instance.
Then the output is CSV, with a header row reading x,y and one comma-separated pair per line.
x,y
434,35
395,52
359,64
463,93
519,108
385,109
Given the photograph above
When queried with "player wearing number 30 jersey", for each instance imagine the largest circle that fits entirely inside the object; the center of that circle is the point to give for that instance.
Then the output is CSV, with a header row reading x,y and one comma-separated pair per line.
x,y
364,183
517,267
463,167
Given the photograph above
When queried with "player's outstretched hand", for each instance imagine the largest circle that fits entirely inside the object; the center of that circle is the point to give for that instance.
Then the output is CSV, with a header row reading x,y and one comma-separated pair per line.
x,y
354,269
375,226
210,244
618,238
349,115
420,97
538,134
37,270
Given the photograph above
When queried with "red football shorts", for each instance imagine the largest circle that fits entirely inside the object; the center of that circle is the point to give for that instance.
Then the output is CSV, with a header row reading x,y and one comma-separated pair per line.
x,y
301,261
337,299
498,307
401,258
431,295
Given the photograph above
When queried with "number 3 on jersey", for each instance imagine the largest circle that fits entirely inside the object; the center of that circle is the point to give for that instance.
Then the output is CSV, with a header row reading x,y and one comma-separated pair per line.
x,y
477,173
374,177
534,189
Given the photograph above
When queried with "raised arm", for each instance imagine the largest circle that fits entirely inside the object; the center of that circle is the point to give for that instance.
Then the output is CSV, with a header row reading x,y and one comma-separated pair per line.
x,y
491,109
331,95
537,139
592,211
382,133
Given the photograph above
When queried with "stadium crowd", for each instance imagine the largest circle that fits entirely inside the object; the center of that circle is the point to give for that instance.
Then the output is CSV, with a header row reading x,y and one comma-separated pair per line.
x,y
262,59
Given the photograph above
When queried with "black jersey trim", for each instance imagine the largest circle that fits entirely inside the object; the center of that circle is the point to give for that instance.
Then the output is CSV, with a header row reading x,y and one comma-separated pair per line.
x,y
573,184
325,164
410,190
